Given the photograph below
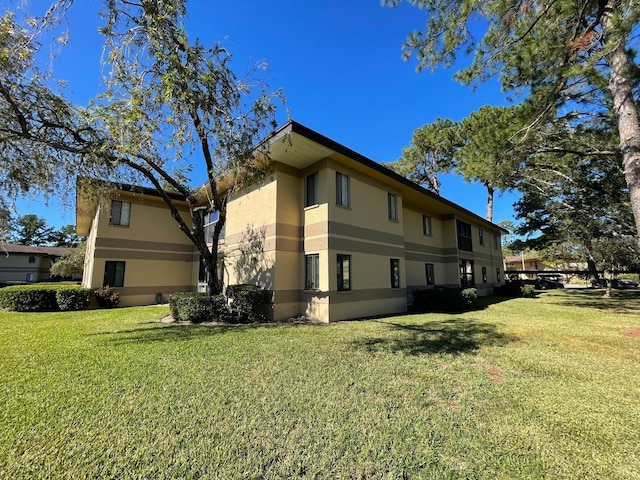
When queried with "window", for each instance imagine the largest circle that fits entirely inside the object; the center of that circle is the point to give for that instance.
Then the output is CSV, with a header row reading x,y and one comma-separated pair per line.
x,y
311,194
120,212
484,274
312,272
496,242
464,236
113,274
393,207
431,278
30,277
466,273
426,225
342,190
32,259
481,236
395,273
498,274
344,272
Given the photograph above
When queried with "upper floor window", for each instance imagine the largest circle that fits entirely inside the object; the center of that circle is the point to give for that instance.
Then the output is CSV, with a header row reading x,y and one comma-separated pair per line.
x,y
32,259
393,206
312,272
113,274
395,273
344,272
464,236
120,213
481,236
311,190
426,225
496,242
342,189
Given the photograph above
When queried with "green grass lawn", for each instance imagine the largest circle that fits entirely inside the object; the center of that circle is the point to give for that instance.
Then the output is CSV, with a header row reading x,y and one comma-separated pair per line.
x,y
524,388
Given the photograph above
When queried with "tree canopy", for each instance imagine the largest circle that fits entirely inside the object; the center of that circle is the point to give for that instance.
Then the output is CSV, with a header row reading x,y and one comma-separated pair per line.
x,y
568,58
430,154
170,103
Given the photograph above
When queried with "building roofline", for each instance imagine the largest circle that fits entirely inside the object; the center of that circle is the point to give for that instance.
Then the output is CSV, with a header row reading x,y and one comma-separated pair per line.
x,y
296,127
33,250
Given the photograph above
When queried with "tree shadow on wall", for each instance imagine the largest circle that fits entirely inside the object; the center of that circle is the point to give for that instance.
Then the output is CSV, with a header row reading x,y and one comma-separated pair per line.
x,y
453,336
252,265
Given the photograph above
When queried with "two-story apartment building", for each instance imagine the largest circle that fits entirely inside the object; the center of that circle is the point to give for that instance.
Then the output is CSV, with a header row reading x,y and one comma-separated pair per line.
x,y
26,263
332,234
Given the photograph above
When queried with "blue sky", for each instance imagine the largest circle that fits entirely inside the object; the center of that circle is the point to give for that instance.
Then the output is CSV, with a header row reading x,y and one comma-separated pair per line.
x,y
338,63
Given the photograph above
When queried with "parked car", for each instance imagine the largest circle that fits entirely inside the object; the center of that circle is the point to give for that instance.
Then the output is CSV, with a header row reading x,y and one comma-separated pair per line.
x,y
624,283
545,283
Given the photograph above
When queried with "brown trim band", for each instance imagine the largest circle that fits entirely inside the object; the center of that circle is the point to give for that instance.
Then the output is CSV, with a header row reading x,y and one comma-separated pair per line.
x,y
348,245
123,244
335,297
152,290
142,255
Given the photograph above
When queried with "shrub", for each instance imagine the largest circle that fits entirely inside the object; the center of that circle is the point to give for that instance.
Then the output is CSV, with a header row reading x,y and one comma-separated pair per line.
x,y
29,298
443,299
248,302
107,297
73,298
469,295
528,291
197,307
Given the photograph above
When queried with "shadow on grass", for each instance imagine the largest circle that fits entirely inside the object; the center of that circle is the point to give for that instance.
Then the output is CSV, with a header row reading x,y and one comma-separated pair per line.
x,y
621,301
455,335
177,332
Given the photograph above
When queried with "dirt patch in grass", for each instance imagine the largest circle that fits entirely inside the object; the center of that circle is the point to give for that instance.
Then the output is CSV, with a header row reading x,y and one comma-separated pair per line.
x,y
494,373
632,332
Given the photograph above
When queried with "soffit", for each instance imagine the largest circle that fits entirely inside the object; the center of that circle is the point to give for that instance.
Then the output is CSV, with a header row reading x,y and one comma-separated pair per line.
x,y
297,151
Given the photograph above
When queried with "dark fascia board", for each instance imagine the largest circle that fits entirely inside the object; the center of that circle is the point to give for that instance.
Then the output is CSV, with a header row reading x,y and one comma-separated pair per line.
x,y
300,129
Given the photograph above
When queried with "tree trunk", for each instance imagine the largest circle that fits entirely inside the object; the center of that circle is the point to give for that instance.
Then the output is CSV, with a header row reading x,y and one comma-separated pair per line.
x,y
209,256
490,192
625,109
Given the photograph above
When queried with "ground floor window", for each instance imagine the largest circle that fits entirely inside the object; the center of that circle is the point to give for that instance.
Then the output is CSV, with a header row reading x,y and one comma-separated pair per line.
x,y
312,272
466,273
344,272
484,274
114,274
431,278
395,273
498,274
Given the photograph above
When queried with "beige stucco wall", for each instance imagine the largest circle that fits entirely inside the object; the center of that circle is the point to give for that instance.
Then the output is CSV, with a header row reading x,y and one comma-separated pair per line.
x,y
158,257
14,267
88,280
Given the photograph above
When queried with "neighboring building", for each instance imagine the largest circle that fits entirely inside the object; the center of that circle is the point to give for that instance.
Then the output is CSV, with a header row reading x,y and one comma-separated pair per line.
x,y
529,263
332,234
23,263
529,266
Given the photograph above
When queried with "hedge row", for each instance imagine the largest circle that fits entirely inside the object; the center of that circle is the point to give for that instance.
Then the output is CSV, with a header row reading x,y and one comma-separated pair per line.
x,y
197,307
444,299
44,298
242,304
